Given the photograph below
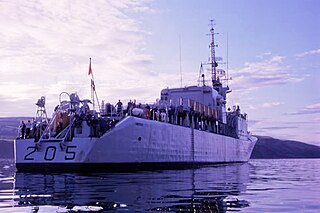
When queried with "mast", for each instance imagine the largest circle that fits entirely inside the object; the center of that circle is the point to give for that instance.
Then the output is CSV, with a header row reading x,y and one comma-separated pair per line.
x,y
213,62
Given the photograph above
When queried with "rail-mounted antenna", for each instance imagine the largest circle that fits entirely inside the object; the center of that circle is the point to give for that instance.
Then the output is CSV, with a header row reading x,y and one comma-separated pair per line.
x,y
213,63
227,60
180,60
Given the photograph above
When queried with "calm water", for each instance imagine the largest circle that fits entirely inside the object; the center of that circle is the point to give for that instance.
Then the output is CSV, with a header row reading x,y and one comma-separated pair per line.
x,y
257,186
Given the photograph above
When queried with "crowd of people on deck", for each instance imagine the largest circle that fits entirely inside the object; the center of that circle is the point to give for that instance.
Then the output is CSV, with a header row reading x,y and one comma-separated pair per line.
x,y
175,115
178,115
27,129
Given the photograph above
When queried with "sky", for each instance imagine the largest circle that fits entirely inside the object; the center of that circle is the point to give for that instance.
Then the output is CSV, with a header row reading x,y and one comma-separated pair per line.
x,y
271,50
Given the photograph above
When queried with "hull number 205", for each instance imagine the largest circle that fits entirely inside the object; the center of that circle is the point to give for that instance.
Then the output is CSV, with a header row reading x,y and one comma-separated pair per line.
x,y
50,153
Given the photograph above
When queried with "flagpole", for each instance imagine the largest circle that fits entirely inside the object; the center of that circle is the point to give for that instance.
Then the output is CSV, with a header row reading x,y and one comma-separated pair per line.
x,y
93,87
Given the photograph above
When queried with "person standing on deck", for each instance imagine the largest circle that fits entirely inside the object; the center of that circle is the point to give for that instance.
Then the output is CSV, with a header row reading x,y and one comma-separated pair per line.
x,y
119,108
129,107
22,129
28,129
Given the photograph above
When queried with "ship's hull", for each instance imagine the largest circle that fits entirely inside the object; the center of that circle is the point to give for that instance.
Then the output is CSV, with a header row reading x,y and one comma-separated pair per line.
x,y
134,143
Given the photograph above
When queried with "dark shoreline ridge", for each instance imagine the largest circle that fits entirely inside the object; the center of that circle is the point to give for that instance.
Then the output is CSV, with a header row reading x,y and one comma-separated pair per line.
x,y
266,148
6,149
272,148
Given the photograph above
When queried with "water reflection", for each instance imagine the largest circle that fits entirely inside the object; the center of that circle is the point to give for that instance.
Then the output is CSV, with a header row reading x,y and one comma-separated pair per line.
x,y
274,186
7,169
212,188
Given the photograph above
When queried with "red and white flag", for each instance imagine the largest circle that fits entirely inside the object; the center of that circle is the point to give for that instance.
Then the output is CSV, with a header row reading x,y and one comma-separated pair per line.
x,y
90,70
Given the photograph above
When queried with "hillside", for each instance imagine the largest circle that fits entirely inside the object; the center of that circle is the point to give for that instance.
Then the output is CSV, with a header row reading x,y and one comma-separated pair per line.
x,y
271,148
6,149
9,127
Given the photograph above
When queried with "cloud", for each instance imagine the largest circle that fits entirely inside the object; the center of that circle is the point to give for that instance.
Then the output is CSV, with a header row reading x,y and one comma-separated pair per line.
x,y
278,127
253,122
300,123
310,109
264,55
266,105
307,53
38,32
271,104
45,46
264,73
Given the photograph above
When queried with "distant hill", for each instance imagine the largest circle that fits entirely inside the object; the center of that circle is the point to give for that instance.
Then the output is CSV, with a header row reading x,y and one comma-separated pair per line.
x,y
271,148
6,149
9,127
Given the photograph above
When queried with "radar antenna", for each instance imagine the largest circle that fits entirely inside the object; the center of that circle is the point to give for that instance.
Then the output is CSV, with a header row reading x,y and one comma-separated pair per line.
x,y
41,116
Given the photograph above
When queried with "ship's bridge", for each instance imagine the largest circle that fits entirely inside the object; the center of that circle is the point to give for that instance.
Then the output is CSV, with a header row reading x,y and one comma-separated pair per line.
x,y
181,96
